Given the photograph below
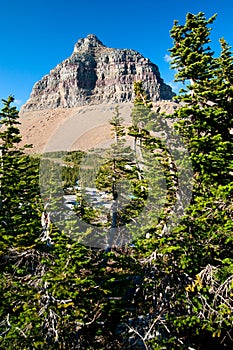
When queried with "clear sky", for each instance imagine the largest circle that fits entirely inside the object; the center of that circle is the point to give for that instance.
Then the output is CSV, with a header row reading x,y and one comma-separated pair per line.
x,y
36,35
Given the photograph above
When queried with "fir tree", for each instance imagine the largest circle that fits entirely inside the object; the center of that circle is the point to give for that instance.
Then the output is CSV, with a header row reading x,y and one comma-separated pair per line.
x,y
205,120
20,203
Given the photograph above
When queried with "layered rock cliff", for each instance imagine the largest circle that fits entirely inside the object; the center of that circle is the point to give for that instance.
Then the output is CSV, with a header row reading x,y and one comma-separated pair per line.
x,y
96,74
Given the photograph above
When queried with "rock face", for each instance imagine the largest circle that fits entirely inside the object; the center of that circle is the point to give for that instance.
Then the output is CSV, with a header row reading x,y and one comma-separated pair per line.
x,y
96,74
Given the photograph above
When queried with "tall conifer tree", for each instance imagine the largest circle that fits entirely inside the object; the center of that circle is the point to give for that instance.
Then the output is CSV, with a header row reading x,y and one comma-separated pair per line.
x,y
205,119
20,208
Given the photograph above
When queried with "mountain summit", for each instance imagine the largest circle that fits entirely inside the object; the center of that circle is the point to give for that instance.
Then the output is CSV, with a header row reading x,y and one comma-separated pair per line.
x,y
96,74
90,43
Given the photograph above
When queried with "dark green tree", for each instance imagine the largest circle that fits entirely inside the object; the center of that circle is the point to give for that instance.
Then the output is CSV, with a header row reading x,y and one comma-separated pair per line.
x,y
20,202
205,120
188,277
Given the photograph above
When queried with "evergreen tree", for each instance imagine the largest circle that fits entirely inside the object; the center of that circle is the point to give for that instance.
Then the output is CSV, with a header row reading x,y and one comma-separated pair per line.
x,y
117,128
188,277
20,203
192,57
205,120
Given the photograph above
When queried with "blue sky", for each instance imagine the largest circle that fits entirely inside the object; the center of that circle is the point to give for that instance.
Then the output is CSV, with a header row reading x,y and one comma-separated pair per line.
x,y
37,35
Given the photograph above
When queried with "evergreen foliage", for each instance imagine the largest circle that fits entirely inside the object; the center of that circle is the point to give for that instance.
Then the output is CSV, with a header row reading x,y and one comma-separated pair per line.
x,y
205,120
19,192
169,290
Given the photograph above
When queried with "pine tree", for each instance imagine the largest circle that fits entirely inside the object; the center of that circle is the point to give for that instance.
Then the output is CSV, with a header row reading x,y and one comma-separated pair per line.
x,y
205,120
20,203
192,57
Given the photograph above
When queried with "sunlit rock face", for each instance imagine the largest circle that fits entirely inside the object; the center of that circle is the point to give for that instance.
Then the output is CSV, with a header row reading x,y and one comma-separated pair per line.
x,y
96,74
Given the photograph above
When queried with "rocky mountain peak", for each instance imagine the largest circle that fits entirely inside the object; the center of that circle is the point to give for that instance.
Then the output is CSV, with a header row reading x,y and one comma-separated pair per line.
x,y
88,44
96,74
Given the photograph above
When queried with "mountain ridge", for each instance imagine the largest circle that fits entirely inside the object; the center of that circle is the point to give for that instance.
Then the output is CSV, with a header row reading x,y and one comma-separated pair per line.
x,y
95,74
83,90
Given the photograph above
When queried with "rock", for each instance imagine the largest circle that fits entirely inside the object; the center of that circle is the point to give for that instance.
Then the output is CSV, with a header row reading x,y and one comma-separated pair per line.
x,y
96,74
